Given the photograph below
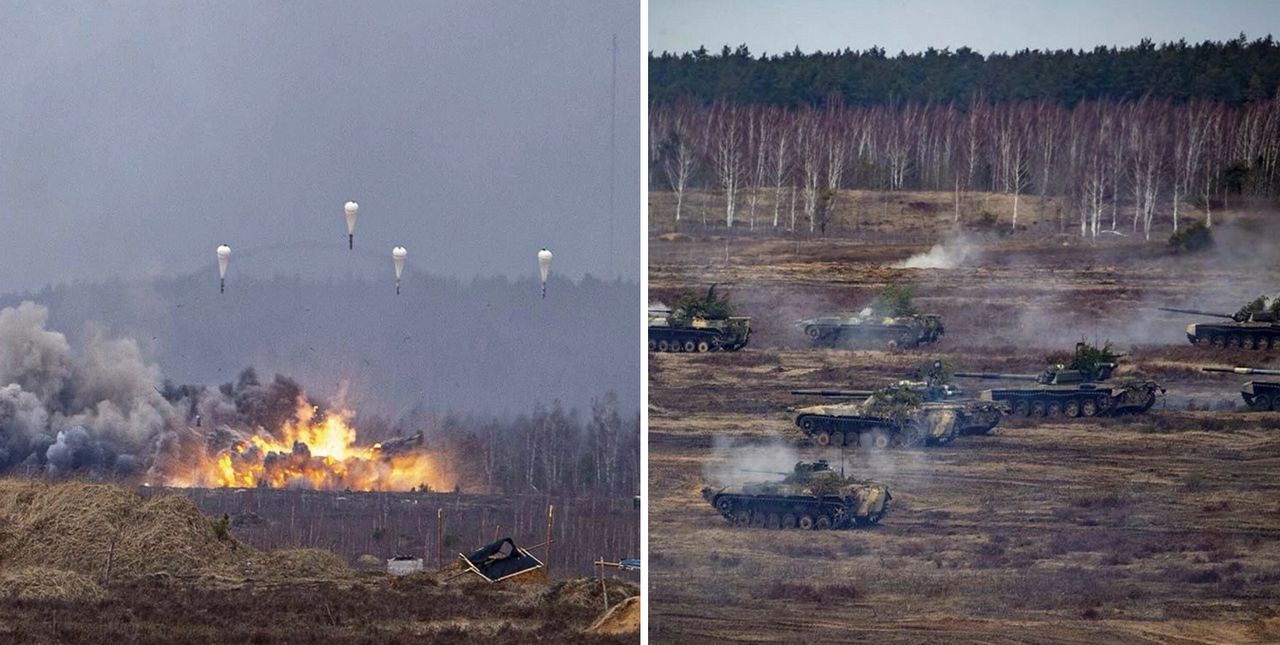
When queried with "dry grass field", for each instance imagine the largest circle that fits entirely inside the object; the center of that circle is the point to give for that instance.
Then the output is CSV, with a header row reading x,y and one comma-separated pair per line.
x,y
94,563
1158,528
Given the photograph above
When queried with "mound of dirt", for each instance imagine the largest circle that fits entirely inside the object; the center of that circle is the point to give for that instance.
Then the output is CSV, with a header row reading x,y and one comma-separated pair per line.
x,y
622,618
585,592
296,564
107,532
45,583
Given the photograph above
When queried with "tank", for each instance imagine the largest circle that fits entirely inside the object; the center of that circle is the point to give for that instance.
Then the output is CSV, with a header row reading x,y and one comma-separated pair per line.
x,y
899,415
671,332
811,497
1250,328
867,328
1075,390
1259,395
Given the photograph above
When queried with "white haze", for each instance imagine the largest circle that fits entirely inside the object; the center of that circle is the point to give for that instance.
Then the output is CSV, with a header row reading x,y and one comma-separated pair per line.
x,y
735,462
950,253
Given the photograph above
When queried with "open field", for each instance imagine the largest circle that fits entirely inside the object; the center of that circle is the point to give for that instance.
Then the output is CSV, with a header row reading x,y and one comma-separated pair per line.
x,y
366,609
352,524
1163,527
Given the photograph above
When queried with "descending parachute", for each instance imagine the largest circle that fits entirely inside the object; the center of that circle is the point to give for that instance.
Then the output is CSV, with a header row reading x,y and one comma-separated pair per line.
x,y
544,267
352,209
224,255
397,255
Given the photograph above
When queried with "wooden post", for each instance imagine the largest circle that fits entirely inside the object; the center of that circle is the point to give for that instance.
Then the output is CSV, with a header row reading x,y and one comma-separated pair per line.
x,y
439,538
604,591
551,514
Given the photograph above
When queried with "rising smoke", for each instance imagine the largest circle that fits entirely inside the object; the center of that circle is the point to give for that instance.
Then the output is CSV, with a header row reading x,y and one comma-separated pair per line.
x,y
953,251
98,410
735,462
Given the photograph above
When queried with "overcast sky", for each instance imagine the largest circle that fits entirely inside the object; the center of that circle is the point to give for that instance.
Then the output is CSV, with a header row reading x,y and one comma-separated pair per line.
x,y
983,25
136,136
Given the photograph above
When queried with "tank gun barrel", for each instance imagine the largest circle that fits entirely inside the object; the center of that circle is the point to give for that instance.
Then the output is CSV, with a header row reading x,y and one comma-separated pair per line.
x,y
1242,370
997,376
835,393
1197,313
763,472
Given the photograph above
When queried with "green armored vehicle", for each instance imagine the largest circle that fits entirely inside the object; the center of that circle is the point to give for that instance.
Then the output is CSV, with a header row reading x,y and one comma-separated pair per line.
x,y
698,325
811,497
1077,389
1255,326
1259,395
867,328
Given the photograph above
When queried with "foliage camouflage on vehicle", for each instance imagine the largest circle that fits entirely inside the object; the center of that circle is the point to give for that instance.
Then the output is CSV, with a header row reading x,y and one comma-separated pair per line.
x,y
898,415
1256,325
698,324
891,320
811,497
1072,389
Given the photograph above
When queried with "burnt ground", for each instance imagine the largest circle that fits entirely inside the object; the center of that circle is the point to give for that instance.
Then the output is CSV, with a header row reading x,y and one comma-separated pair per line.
x,y
1163,527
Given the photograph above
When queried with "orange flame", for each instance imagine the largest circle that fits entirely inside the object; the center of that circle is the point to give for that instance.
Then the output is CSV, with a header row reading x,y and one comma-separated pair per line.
x,y
314,451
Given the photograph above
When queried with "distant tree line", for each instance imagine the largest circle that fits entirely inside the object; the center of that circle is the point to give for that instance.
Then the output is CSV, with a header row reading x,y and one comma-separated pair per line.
x,y
1234,72
1117,162
553,450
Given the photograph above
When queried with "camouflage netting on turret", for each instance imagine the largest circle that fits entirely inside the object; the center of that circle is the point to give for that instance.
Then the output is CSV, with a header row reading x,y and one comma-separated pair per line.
x,y
711,307
1087,357
893,402
894,301
935,373
1258,305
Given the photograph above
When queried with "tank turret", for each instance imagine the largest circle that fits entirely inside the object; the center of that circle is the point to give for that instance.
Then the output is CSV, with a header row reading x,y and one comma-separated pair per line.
x,y
698,324
1256,325
1259,395
1076,389
811,497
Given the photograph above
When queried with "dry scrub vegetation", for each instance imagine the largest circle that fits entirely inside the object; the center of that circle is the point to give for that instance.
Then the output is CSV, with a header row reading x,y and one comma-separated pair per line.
x,y
1151,528
92,563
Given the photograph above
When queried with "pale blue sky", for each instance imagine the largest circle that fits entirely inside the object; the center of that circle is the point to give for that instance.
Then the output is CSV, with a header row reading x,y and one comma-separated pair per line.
x,y
984,25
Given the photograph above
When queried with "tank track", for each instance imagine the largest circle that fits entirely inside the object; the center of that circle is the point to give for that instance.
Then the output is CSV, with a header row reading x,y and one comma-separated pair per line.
x,y
792,512
691,340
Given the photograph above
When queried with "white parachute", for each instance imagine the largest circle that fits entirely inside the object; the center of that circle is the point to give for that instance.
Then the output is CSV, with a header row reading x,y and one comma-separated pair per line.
x,y
398,255
544,267
224,256
351,209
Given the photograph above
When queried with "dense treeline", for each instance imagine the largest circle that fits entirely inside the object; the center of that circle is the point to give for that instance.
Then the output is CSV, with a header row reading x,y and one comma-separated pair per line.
x,y
783,167
1233,72
552,451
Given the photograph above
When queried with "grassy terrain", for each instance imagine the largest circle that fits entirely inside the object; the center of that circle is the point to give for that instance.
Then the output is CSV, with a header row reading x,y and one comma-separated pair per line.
x,y
1163,527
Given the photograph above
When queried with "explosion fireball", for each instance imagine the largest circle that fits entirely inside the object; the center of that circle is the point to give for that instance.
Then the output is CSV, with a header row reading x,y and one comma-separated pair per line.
x,y
314,450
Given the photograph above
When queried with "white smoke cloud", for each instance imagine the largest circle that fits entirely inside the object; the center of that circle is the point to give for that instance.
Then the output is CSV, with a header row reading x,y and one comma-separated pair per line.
x,y
735,462
947,254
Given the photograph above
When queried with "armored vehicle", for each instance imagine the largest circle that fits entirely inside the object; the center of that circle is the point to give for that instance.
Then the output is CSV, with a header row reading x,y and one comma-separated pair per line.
x,y
1073,390
868,328
1259,395
811,497
672,333
698,324
1254,326
899,415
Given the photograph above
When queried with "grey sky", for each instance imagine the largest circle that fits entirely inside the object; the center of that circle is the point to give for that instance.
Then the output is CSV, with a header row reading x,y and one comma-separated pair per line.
x,y
984,25
136,136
